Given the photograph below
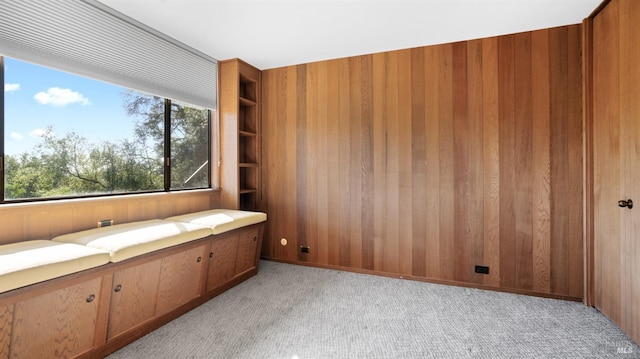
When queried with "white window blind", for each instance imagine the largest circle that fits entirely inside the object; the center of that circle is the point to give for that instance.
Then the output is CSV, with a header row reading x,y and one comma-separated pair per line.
x,y
87,38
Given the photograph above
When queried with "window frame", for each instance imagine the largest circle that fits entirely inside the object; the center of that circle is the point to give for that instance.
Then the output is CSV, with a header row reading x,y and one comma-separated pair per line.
x,y
166,161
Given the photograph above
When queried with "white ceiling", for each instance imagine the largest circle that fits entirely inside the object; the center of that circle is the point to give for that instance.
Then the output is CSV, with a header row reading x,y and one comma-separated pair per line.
x,y
270,33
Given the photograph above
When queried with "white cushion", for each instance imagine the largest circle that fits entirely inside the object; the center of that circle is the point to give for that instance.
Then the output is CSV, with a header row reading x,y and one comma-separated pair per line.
x,y
124,241
222,220
30,262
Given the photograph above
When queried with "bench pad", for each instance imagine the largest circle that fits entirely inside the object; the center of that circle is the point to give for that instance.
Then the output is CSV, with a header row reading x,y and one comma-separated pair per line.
x,y
221,220
30,262
124,241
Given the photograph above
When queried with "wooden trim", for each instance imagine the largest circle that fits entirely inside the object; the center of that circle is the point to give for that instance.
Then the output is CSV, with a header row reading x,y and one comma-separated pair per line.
x,y
597,10
587,98
426,280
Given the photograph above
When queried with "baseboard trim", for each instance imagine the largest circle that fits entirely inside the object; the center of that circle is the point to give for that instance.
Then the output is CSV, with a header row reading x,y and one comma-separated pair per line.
x,y
428,280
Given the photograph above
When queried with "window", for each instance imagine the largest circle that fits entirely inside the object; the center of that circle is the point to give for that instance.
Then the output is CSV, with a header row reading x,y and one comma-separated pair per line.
x,y
70,136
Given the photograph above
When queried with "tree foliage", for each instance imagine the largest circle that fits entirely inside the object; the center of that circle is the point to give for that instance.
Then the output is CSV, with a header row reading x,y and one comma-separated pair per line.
x,y
71,165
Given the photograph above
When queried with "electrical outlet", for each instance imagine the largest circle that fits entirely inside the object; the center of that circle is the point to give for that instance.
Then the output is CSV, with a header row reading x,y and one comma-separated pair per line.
x,y
105,223
482,269
304,249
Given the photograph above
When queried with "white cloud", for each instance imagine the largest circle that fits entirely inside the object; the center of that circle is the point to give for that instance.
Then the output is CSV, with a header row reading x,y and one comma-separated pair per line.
x,y
11,87
58,97
16,136
39,132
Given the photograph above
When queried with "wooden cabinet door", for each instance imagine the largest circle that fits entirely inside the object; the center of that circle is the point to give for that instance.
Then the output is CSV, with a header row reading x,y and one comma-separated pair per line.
x,y
133,297
247,250
60,324
616,163
6,318
222,260
180,279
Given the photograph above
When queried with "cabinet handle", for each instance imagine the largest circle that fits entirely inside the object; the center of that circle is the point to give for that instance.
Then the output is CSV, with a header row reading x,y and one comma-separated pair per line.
x,y
90,298
628,203
199,259
211,255
255,238
118,288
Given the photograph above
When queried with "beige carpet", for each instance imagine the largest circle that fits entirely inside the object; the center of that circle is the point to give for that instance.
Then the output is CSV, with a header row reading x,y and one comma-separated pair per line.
x,y
296,312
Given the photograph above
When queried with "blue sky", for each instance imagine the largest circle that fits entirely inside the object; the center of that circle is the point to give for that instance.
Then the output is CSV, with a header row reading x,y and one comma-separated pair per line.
x,y
37,97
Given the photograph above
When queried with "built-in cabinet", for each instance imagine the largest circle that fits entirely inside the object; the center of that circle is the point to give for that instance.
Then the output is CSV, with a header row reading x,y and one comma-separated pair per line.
x,y
58,324
240,134
6,316
180,279
613,85
133,297
93,315
231,256
223,260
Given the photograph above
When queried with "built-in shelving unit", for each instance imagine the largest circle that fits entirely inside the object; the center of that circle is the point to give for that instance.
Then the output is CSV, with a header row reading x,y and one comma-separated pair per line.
x,y
240,134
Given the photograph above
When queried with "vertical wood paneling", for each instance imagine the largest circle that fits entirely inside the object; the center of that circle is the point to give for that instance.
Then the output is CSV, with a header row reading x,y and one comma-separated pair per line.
x,y
301,157
418,164
575,158
541,162
368,214
333,159
290,156
432,191
390,194
45,220
507,191
405,230
475,207
523,159
379,160
356,164
559,159
343,216
428,161
460,160
447,183
491,160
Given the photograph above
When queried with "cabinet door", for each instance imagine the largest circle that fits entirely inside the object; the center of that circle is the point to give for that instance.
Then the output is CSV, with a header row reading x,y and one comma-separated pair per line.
x,y
133,297
222,261
180,279
247,250
60,324
6,317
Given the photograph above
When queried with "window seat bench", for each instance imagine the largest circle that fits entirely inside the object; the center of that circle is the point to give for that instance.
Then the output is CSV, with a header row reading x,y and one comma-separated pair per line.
x,y
89,293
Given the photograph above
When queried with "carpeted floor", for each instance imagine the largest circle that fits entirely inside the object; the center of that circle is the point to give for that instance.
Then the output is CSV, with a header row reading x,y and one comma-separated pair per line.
x,y
296,312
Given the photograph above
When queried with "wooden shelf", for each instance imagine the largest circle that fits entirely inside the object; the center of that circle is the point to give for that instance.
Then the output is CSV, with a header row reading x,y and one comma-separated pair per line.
x,y
246,102
240,99
247,133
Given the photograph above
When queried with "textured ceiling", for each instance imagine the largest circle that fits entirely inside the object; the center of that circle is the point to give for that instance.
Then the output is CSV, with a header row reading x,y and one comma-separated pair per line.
x,y
268,33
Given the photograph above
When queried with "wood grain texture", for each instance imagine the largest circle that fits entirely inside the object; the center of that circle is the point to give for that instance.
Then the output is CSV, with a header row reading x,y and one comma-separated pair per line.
x,y
45,220
442,158
60,324
6,321
180,279
630,142
222,262
246,256
135,302
615,131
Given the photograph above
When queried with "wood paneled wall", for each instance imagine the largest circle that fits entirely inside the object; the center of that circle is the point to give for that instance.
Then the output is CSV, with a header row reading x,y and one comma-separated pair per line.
x,y
424,162
45,220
